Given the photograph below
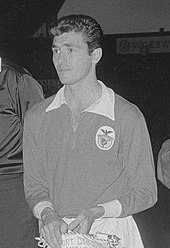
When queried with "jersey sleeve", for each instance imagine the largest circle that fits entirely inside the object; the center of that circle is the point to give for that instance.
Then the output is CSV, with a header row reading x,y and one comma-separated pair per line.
x,y
139,165
35,185
163,164
31,91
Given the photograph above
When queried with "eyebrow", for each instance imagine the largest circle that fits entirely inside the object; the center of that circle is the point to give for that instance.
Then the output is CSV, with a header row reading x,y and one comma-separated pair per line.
x,y
54,46
67,45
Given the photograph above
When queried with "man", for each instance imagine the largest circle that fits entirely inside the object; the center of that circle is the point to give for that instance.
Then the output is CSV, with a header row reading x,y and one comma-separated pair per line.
x,y
163,165
87,153
18,92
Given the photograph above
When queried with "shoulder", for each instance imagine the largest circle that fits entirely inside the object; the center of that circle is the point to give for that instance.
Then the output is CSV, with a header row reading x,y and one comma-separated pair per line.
x,y
126,110
19,81
39,109
125,106
13,75
36,116
15,68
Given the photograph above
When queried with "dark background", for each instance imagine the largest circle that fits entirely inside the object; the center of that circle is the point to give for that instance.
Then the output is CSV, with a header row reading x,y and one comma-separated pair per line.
x,y
143,79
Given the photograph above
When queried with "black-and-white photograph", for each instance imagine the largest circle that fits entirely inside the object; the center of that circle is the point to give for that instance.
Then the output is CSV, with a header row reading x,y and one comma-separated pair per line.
x,y
84,123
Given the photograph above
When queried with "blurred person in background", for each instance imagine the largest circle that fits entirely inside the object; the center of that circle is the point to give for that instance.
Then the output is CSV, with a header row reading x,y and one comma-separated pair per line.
x,y
87,154
163,164
19,91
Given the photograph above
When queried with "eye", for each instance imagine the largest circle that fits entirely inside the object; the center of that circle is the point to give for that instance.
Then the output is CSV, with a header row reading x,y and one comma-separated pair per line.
x,y
70,50
56,51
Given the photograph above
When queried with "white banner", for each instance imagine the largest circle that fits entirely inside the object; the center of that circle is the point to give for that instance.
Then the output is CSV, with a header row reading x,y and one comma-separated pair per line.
x,y
143,45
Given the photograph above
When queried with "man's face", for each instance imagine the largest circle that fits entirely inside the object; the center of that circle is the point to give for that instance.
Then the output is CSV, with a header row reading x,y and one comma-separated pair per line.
x,y
71,58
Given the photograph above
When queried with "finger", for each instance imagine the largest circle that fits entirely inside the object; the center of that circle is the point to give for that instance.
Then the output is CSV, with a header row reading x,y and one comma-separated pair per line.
x,y
50,236
73,225
84,228
42,232
81,217
58,237
76,230
64,228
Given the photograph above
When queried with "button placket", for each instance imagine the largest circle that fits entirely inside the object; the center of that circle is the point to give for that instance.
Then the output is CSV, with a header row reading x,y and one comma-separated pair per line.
x,y
75,117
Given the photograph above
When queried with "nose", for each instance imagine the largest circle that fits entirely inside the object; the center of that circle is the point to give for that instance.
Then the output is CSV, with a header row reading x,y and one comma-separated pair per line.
x,y
62,58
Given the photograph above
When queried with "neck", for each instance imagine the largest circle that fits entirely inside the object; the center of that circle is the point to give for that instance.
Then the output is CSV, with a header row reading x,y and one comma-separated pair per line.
x,y
82,95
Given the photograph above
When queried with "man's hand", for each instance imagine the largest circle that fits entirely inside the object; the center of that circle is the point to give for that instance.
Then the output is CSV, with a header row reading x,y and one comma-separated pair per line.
x,y
52,227
85,219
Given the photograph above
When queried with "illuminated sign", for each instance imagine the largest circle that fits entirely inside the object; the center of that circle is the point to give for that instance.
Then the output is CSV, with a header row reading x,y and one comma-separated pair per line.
x,y
138,45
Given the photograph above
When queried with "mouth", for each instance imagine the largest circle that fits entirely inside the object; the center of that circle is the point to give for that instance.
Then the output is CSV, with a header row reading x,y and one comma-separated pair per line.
x,y
63,69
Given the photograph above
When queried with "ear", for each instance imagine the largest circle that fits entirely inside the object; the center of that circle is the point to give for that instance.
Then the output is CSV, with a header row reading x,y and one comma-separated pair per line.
x,y
96,55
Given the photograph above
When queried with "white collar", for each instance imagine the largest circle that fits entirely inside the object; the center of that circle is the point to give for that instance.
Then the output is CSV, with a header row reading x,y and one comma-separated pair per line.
x,y
104,106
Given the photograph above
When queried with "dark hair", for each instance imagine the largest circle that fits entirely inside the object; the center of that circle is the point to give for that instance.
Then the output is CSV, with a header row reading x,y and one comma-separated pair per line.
x,y
87,25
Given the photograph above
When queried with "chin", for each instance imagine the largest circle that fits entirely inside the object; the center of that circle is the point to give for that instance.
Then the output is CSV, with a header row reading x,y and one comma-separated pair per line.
x,y
67,81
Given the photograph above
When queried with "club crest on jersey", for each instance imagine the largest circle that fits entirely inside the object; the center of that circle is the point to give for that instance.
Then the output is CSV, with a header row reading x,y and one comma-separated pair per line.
x,y
105,137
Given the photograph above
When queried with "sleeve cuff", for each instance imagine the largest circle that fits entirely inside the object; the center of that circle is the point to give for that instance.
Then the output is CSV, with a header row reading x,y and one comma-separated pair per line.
x,y
37,210
112,209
